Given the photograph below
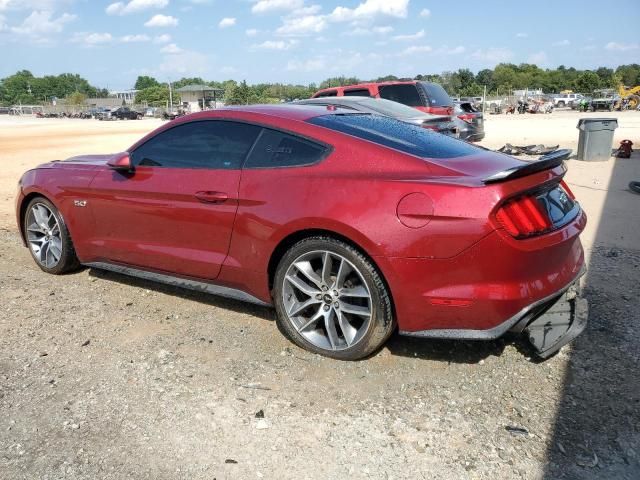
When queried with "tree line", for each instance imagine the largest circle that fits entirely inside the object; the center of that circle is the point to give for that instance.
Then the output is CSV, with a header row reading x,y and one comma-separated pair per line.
x,y
23,87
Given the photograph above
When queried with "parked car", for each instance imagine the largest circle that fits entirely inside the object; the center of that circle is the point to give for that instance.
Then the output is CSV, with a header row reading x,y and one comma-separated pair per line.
x,y
4,110
439,123
562,100
604,100
427,97
470,121
126,113
104,114
350,224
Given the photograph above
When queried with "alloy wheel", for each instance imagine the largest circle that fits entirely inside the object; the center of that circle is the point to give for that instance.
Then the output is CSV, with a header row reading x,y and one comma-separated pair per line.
x,y
327,300
44,236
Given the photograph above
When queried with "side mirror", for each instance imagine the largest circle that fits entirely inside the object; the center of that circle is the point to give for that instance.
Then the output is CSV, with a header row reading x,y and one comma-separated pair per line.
x,y
121,163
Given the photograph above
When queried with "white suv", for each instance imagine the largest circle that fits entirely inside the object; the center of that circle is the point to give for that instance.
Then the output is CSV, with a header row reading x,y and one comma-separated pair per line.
x,y
566,99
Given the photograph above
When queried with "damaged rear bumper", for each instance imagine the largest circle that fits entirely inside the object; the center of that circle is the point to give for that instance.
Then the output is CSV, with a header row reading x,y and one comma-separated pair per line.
x,y
561,321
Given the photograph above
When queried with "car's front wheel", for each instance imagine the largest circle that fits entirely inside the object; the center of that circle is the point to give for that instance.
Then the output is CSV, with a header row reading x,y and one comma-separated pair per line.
x,y
48,237
330,299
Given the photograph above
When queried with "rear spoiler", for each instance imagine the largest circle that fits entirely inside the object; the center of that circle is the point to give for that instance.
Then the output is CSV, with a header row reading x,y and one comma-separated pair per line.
x,y
546,162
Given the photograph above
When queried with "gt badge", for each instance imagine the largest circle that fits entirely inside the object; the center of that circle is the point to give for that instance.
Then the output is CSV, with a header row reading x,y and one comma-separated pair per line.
x,y
80,203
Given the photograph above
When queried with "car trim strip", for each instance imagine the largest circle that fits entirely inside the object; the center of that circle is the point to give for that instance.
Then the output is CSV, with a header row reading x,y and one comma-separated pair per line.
x,y
175,281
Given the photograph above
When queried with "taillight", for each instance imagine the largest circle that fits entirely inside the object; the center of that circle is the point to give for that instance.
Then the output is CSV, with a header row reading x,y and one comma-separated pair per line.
x,y
523,217
566,188
467,117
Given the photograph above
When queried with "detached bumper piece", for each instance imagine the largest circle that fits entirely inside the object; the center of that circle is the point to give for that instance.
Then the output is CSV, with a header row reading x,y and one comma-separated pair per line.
x,y
561,322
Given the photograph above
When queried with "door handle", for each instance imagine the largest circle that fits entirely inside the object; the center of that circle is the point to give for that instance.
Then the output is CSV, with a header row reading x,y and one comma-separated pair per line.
x,y
212,197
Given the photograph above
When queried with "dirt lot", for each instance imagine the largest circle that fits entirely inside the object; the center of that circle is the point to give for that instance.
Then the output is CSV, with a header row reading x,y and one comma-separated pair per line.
x,y
102,376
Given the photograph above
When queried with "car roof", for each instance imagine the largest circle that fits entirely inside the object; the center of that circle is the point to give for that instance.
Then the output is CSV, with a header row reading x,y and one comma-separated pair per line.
x,y
290,111
371,84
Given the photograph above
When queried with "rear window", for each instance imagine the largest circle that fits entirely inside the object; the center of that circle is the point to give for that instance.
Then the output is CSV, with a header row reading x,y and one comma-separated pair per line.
x,y
403,93
278,149
395,134
438,96
362,92
329,93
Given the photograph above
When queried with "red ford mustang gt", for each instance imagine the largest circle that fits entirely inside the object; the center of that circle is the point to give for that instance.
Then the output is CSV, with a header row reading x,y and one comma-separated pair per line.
x,y
349,224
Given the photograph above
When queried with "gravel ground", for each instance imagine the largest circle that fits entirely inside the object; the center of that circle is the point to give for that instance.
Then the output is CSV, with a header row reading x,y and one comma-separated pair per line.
x,y
107,377
102,376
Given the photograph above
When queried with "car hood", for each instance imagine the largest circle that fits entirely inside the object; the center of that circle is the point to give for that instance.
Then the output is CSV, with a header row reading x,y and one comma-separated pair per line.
x,y
82,161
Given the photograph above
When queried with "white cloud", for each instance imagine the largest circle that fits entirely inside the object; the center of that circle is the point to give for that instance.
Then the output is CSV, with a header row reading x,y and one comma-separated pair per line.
x,y
227,70
133,6
227,22
91,39
310,10
493,55
251,32
370,9
537,58
164,38
171,48
410,37
561,43
522,35
275,45
415,50
3,26
425,12
264,6
310,65
302,26
135,38
42,23
445,50
621,47
382,30
160,20
183,63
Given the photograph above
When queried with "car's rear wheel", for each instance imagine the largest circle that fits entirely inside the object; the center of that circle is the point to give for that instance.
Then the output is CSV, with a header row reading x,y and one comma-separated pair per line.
x,y
330,299
48,237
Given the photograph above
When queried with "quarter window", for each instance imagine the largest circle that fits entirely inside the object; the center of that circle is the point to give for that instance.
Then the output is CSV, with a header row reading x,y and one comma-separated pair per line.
x,y
201,144
278,149
329,93
402,93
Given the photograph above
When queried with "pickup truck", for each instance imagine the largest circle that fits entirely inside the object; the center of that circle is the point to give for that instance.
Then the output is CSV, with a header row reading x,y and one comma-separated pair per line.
x,y
125,113
566,99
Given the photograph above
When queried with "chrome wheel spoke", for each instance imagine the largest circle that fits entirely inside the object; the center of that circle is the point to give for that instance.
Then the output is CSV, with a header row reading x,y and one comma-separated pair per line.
x,y
355,292
330,326
327,263
343,271
313,320
302,286
306,269
355,309
35,228
348,331
298,307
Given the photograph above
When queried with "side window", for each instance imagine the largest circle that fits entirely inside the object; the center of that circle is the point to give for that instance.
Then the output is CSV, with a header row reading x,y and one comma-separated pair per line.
x,y
404,93
278,149
329,93
204,144
361,92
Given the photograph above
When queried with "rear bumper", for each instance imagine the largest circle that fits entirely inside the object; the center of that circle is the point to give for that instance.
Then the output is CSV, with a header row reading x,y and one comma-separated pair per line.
x,y
550,323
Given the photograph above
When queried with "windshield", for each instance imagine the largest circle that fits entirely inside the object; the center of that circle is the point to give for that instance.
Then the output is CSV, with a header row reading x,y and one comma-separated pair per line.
x,y
437,95
396,134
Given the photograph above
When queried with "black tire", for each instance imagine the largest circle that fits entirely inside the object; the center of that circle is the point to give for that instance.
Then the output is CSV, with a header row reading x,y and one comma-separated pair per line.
x,y
635,187
560,104
68,260
382,321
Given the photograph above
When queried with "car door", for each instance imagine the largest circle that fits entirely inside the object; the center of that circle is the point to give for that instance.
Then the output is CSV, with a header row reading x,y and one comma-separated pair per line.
x,y
175,212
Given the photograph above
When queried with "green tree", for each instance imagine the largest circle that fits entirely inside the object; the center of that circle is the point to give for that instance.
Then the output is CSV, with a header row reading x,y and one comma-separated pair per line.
x,y
155,96
76,98
145,81
587,82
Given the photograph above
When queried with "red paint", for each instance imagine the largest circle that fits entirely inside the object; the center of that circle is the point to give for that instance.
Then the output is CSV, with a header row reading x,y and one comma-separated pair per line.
x,y
223,225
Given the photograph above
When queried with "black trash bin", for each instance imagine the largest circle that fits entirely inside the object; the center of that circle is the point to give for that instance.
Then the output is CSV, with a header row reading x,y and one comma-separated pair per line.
x,y
596,138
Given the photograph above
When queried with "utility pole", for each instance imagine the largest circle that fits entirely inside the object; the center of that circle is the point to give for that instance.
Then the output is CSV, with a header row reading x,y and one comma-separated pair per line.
x,y
170,98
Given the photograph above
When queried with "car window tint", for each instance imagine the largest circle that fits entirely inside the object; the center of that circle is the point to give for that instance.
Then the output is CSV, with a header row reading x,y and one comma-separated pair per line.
x,y
403,93
438,96
396,134
330,93
278,149
203,144
361,92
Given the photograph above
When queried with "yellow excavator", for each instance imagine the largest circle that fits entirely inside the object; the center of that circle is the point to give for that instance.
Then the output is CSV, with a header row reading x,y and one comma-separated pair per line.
x,y
631,94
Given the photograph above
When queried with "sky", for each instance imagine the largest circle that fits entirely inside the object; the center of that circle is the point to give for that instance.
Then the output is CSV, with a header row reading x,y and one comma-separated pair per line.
x,y
303,41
